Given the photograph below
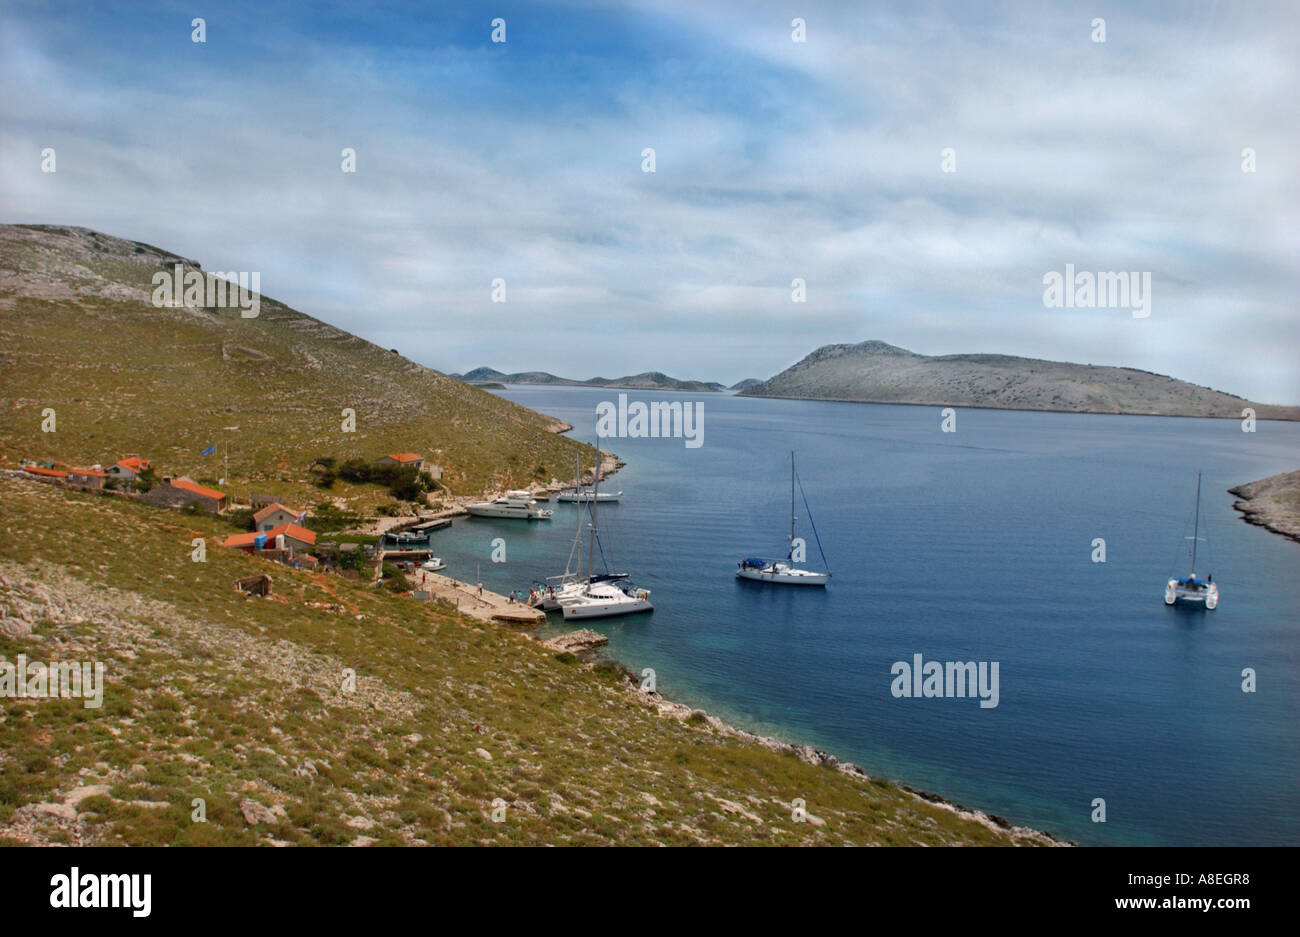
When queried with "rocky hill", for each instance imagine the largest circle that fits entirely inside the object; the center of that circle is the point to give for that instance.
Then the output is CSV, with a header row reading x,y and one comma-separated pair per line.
x,y
79,334
877,372
647,380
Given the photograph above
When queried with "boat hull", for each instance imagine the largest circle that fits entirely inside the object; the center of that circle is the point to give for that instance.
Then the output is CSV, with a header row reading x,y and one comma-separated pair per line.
x,y
487,510
1176,591
784,577
603,601
604,609
571,498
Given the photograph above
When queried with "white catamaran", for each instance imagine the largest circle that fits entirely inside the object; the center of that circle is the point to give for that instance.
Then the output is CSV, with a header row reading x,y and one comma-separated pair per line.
x,y
605,596
1190,588
546,595
785,572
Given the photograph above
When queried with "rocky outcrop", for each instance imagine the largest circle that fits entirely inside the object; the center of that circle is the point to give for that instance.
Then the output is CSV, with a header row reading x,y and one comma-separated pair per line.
x,y
577,642
1272,503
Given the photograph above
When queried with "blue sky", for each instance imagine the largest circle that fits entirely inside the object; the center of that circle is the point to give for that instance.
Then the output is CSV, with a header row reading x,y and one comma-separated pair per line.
x,y
775,160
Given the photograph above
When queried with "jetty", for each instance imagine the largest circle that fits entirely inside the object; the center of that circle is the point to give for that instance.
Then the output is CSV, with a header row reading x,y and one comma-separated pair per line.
x,y
482,604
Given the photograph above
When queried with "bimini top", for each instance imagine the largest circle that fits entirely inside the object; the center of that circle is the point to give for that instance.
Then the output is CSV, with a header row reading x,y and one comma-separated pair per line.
x,y
755,561
1191,581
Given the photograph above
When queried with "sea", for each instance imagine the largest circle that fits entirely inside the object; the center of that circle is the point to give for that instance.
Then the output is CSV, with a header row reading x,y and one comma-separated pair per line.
x,y
1118,719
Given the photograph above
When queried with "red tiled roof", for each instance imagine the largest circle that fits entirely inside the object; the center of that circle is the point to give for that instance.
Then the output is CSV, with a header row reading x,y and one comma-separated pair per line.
x,y
134,463
37,470
294,531
90,473
271,509
405,457
190,486
289,530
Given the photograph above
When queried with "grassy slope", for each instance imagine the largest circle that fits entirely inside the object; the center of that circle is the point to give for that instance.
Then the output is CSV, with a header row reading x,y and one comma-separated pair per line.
x,y
214,695
78,334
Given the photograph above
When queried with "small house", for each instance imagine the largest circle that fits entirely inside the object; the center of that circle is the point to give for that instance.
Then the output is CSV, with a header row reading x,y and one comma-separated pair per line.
x,y
45,472
129,468
294,538
273,515
404,459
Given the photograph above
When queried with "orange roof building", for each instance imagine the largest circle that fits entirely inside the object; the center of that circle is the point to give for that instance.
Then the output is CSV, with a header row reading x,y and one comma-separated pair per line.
x,y
129,467
298,537
194,488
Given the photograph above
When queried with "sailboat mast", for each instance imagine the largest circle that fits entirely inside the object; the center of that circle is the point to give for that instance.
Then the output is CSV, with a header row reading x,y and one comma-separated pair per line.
x,y
575,551
1196,524
595,491
790,552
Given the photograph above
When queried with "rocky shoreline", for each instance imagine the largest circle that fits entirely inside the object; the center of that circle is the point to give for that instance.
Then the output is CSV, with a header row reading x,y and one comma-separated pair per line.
x,y
1272,503
583,644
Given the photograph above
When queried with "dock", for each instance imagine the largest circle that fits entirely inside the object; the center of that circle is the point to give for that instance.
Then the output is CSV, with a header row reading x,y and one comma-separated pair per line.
x,y
485,605
425,526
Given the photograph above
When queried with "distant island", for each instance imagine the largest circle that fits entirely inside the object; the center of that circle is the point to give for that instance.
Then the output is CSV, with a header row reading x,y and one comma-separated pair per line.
x,y
647,380
877,372
746,384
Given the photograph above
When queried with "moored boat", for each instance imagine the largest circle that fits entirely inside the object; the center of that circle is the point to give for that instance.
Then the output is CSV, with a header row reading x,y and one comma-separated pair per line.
x,y
583,495
1191,588
784,571
513,504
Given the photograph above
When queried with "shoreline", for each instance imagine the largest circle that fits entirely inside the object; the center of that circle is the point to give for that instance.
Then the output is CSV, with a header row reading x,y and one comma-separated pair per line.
x,y
805,753
987,406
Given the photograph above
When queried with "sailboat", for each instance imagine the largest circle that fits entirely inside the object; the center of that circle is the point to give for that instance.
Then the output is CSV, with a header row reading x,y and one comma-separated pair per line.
x,y
785,572
1189,588
607,596
546,595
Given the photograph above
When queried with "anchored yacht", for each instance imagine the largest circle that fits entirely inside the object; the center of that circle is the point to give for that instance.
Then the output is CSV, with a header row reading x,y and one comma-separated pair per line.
x,y
784,571
515,504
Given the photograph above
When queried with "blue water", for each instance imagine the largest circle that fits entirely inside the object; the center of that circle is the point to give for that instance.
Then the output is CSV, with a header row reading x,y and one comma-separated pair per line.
x,y
973,545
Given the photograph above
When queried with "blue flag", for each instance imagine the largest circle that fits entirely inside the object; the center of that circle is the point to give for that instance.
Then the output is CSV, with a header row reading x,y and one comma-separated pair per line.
x,y
208,451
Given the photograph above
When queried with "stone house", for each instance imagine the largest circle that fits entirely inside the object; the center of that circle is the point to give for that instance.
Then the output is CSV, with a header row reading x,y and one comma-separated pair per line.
x,y
178,492
87,477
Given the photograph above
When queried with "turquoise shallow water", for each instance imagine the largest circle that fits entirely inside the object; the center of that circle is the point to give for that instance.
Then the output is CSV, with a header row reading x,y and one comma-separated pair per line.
x,y
974,545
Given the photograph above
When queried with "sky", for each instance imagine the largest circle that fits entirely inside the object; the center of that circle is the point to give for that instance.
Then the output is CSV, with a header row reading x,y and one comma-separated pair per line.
x,y
775,160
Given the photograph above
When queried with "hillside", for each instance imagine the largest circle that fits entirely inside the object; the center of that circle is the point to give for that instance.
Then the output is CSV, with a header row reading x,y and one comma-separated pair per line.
x,y
241,702
647,380
79,334
746,384
877,372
